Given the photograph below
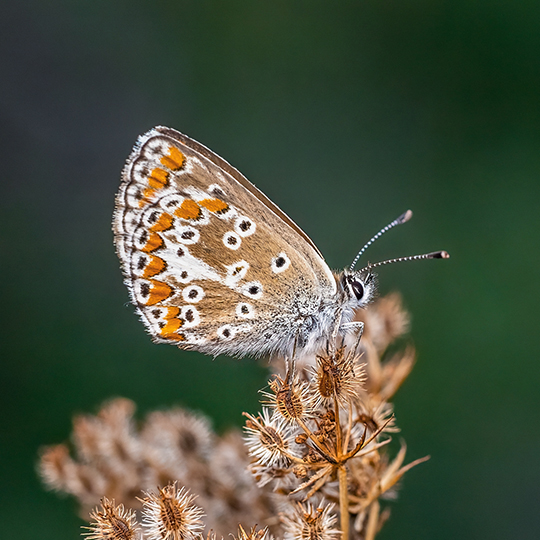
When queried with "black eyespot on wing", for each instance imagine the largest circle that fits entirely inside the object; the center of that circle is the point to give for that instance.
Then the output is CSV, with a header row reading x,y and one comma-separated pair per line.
x,y
145,289
189,315
231,240
184,274
180,252
188,235
245,225
253,289
244,309
193,293
280,261
226,332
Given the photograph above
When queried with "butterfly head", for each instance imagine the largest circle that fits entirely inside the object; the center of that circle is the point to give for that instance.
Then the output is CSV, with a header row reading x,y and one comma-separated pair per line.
x,y
359,286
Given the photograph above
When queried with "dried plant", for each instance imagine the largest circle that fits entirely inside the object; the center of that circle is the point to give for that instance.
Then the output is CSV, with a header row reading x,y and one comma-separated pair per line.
x,y
317,452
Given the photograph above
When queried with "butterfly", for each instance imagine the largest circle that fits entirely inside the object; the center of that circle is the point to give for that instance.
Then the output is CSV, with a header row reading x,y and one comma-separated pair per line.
x,y
213,265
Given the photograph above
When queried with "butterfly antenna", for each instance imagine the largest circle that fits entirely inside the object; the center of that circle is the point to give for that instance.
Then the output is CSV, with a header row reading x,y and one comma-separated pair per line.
x,y
399,221
433,255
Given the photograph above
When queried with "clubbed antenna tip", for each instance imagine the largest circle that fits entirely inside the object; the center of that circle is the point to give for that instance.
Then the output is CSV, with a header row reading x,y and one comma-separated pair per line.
x,y
432,255
404,217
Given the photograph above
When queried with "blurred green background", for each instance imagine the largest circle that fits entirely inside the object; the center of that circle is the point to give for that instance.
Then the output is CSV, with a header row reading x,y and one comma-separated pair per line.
x,y
345,114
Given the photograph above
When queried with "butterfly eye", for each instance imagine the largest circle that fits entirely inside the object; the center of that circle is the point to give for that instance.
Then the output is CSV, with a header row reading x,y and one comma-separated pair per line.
x,y
358,289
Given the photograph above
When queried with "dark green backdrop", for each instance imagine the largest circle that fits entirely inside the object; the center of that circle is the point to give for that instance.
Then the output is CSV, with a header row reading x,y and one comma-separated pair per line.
x,y
345,114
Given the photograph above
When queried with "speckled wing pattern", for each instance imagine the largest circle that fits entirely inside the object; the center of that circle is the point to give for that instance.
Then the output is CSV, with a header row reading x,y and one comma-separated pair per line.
x,y
210,262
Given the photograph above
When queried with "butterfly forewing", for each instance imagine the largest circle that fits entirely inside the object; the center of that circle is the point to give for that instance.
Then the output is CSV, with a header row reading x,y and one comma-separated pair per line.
x,y
210,262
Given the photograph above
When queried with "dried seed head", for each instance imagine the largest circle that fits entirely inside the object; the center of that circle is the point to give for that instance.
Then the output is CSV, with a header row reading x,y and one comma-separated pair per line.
x,y
338,376
300,471
253,534
309,523
111,523
292,400
268,439
376,416
170,514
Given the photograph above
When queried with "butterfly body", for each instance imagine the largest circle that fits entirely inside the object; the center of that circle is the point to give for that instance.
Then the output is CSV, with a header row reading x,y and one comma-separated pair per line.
x,y
213,265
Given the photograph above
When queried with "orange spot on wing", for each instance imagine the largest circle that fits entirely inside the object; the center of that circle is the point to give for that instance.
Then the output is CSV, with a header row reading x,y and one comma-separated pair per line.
x,y
214,205
147,195
154,242
168,331
155,266
175,160
159,291
158,178
164,222
172,311
188,210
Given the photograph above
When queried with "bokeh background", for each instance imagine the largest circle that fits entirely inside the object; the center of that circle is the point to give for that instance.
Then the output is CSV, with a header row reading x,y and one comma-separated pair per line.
x,y
345,114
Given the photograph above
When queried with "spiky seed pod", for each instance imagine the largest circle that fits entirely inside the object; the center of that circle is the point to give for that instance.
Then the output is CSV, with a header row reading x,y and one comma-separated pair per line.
x,y
308,522
170,514
337,376
291,399
268,439
252,534
112,522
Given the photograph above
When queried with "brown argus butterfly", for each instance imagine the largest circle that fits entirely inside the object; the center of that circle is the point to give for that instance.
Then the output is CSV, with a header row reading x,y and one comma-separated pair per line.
x,y
213,265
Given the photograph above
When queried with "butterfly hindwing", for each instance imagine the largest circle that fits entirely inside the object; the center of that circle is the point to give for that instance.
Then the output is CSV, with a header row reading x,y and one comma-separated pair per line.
x,y
209,261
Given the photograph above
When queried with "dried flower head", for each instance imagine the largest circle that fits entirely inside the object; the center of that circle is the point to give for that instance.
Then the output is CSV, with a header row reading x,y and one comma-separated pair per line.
x,y
112,522
321,436
253,534
268,439
290,398
308,522
170,514
338,376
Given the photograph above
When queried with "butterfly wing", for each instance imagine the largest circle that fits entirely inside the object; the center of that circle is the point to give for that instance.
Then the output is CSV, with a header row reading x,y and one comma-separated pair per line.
x,y
210,262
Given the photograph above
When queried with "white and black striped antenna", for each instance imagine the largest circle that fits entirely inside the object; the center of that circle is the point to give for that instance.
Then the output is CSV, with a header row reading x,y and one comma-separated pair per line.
x,y
432,255
398,221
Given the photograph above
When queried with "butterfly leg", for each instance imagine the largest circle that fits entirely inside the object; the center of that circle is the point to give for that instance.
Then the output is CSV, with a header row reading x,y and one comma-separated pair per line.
x,y
353,326
356,327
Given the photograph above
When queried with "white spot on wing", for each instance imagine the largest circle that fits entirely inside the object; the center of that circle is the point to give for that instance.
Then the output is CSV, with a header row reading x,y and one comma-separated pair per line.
x,y
244,226
232,240
236,272
280,263
245,310
193,294
226,332
190,316
187,234
253,289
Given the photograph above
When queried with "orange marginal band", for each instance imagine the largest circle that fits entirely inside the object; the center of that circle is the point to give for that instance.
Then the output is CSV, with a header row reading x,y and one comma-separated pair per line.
x,y
155,266
147,194
172,311
158,178
164,222
175,160
188,210
154,242
172,326
214,205
158,292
